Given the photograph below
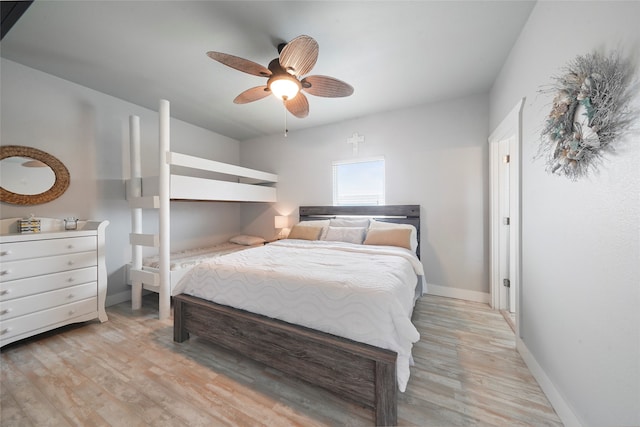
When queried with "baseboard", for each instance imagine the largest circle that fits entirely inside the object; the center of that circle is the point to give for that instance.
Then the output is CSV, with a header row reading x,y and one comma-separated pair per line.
x,y
465,294
118,298
561,406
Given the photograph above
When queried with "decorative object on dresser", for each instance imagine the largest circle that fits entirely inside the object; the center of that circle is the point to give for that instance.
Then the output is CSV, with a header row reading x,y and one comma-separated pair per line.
x,y
51,278
71,223
29,225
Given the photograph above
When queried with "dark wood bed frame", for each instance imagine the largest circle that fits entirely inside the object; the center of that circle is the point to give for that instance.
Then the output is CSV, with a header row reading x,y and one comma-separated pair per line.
x,y
361,373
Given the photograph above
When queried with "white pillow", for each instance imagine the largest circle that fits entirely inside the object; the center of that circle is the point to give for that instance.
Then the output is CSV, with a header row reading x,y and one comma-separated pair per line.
x,y
349,222
314,223
345,234
414,233
246,240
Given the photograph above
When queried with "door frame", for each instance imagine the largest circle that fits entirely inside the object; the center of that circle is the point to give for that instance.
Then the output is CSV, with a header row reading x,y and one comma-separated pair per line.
x,y
511,126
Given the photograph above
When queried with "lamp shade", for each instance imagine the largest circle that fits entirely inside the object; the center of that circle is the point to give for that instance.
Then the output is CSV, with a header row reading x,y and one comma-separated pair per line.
x,y
281,221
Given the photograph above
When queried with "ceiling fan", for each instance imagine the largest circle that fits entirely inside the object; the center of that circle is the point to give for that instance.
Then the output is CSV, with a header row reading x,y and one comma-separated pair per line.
x,y
285,76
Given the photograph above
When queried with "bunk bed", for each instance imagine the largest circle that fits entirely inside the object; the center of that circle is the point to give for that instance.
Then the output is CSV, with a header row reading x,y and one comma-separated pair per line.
x,y
180,177
363,373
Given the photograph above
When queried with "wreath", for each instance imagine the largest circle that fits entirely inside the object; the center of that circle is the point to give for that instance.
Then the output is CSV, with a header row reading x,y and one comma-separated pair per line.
x,y
590,112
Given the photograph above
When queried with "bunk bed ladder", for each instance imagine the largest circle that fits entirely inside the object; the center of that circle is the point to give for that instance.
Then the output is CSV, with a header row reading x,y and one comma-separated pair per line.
x,y
140,278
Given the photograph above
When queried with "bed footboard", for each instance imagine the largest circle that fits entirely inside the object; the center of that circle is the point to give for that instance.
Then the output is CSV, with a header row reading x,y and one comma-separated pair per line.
x,y
358,372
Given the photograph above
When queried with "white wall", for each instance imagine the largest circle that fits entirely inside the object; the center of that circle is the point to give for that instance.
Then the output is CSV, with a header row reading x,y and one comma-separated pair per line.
x,y
89,132
436,156
580,240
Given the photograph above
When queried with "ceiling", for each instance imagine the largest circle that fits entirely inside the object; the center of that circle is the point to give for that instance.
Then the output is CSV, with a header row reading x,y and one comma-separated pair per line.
x,y
395,54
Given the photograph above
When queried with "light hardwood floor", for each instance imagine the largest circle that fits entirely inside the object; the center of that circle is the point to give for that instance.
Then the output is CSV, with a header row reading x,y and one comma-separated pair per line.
x,y
129,372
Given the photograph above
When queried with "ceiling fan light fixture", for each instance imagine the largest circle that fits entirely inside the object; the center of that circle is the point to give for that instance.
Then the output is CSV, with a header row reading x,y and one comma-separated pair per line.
x,y
34,164
284,87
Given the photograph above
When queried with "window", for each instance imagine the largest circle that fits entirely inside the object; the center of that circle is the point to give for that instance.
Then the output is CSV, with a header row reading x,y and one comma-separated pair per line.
x,y
358,182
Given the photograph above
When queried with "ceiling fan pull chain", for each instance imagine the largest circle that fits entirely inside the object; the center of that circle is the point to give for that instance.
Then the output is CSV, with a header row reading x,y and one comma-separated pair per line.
x,y
286,131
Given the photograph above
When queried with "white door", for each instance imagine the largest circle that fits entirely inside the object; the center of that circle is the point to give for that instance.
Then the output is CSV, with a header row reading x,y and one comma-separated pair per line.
x,y
504,149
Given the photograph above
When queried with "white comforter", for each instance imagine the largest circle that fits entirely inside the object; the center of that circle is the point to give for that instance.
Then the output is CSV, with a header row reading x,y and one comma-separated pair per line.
x,y
190,257
364,293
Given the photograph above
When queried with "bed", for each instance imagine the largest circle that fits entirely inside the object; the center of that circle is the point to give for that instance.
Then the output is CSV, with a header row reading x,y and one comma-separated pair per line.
x,y
357,367
180,177
180,262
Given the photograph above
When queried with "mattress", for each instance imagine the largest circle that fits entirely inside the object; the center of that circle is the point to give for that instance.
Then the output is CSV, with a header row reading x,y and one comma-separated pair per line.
x,y
363,293
191,257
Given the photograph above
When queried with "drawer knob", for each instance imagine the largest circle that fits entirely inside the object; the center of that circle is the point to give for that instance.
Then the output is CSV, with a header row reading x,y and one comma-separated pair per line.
x,y
71,279
72,312
71,296
5,272
69,246
5,253
71,262
5,292
5,311
5,331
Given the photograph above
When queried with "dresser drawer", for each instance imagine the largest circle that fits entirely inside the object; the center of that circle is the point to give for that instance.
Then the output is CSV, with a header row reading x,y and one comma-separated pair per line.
x,y
36,267
50,282
21,306
41,321
46,247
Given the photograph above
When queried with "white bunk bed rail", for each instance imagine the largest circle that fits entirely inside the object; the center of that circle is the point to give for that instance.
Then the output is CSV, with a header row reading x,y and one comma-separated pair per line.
x,y
156,193
249,185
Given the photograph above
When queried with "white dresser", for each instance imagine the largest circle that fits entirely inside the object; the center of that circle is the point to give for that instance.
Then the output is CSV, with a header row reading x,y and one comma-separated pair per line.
x,y
51,278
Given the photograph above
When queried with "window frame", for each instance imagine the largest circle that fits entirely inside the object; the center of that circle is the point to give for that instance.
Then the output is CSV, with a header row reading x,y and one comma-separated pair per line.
x,y
335,187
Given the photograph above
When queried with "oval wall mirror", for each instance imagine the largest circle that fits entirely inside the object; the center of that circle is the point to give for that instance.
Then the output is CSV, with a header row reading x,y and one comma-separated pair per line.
x,y
30,176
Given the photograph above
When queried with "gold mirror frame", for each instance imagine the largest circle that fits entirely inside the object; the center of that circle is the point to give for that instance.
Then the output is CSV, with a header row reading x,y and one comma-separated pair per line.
x,y
59,169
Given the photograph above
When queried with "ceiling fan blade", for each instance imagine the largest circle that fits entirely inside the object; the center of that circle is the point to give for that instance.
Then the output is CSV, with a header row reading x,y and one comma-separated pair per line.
x,y
299,55
253,94
298,106
326,86
240,64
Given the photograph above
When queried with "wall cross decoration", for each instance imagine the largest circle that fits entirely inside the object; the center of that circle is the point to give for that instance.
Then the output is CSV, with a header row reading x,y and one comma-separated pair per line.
x,y
355,139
